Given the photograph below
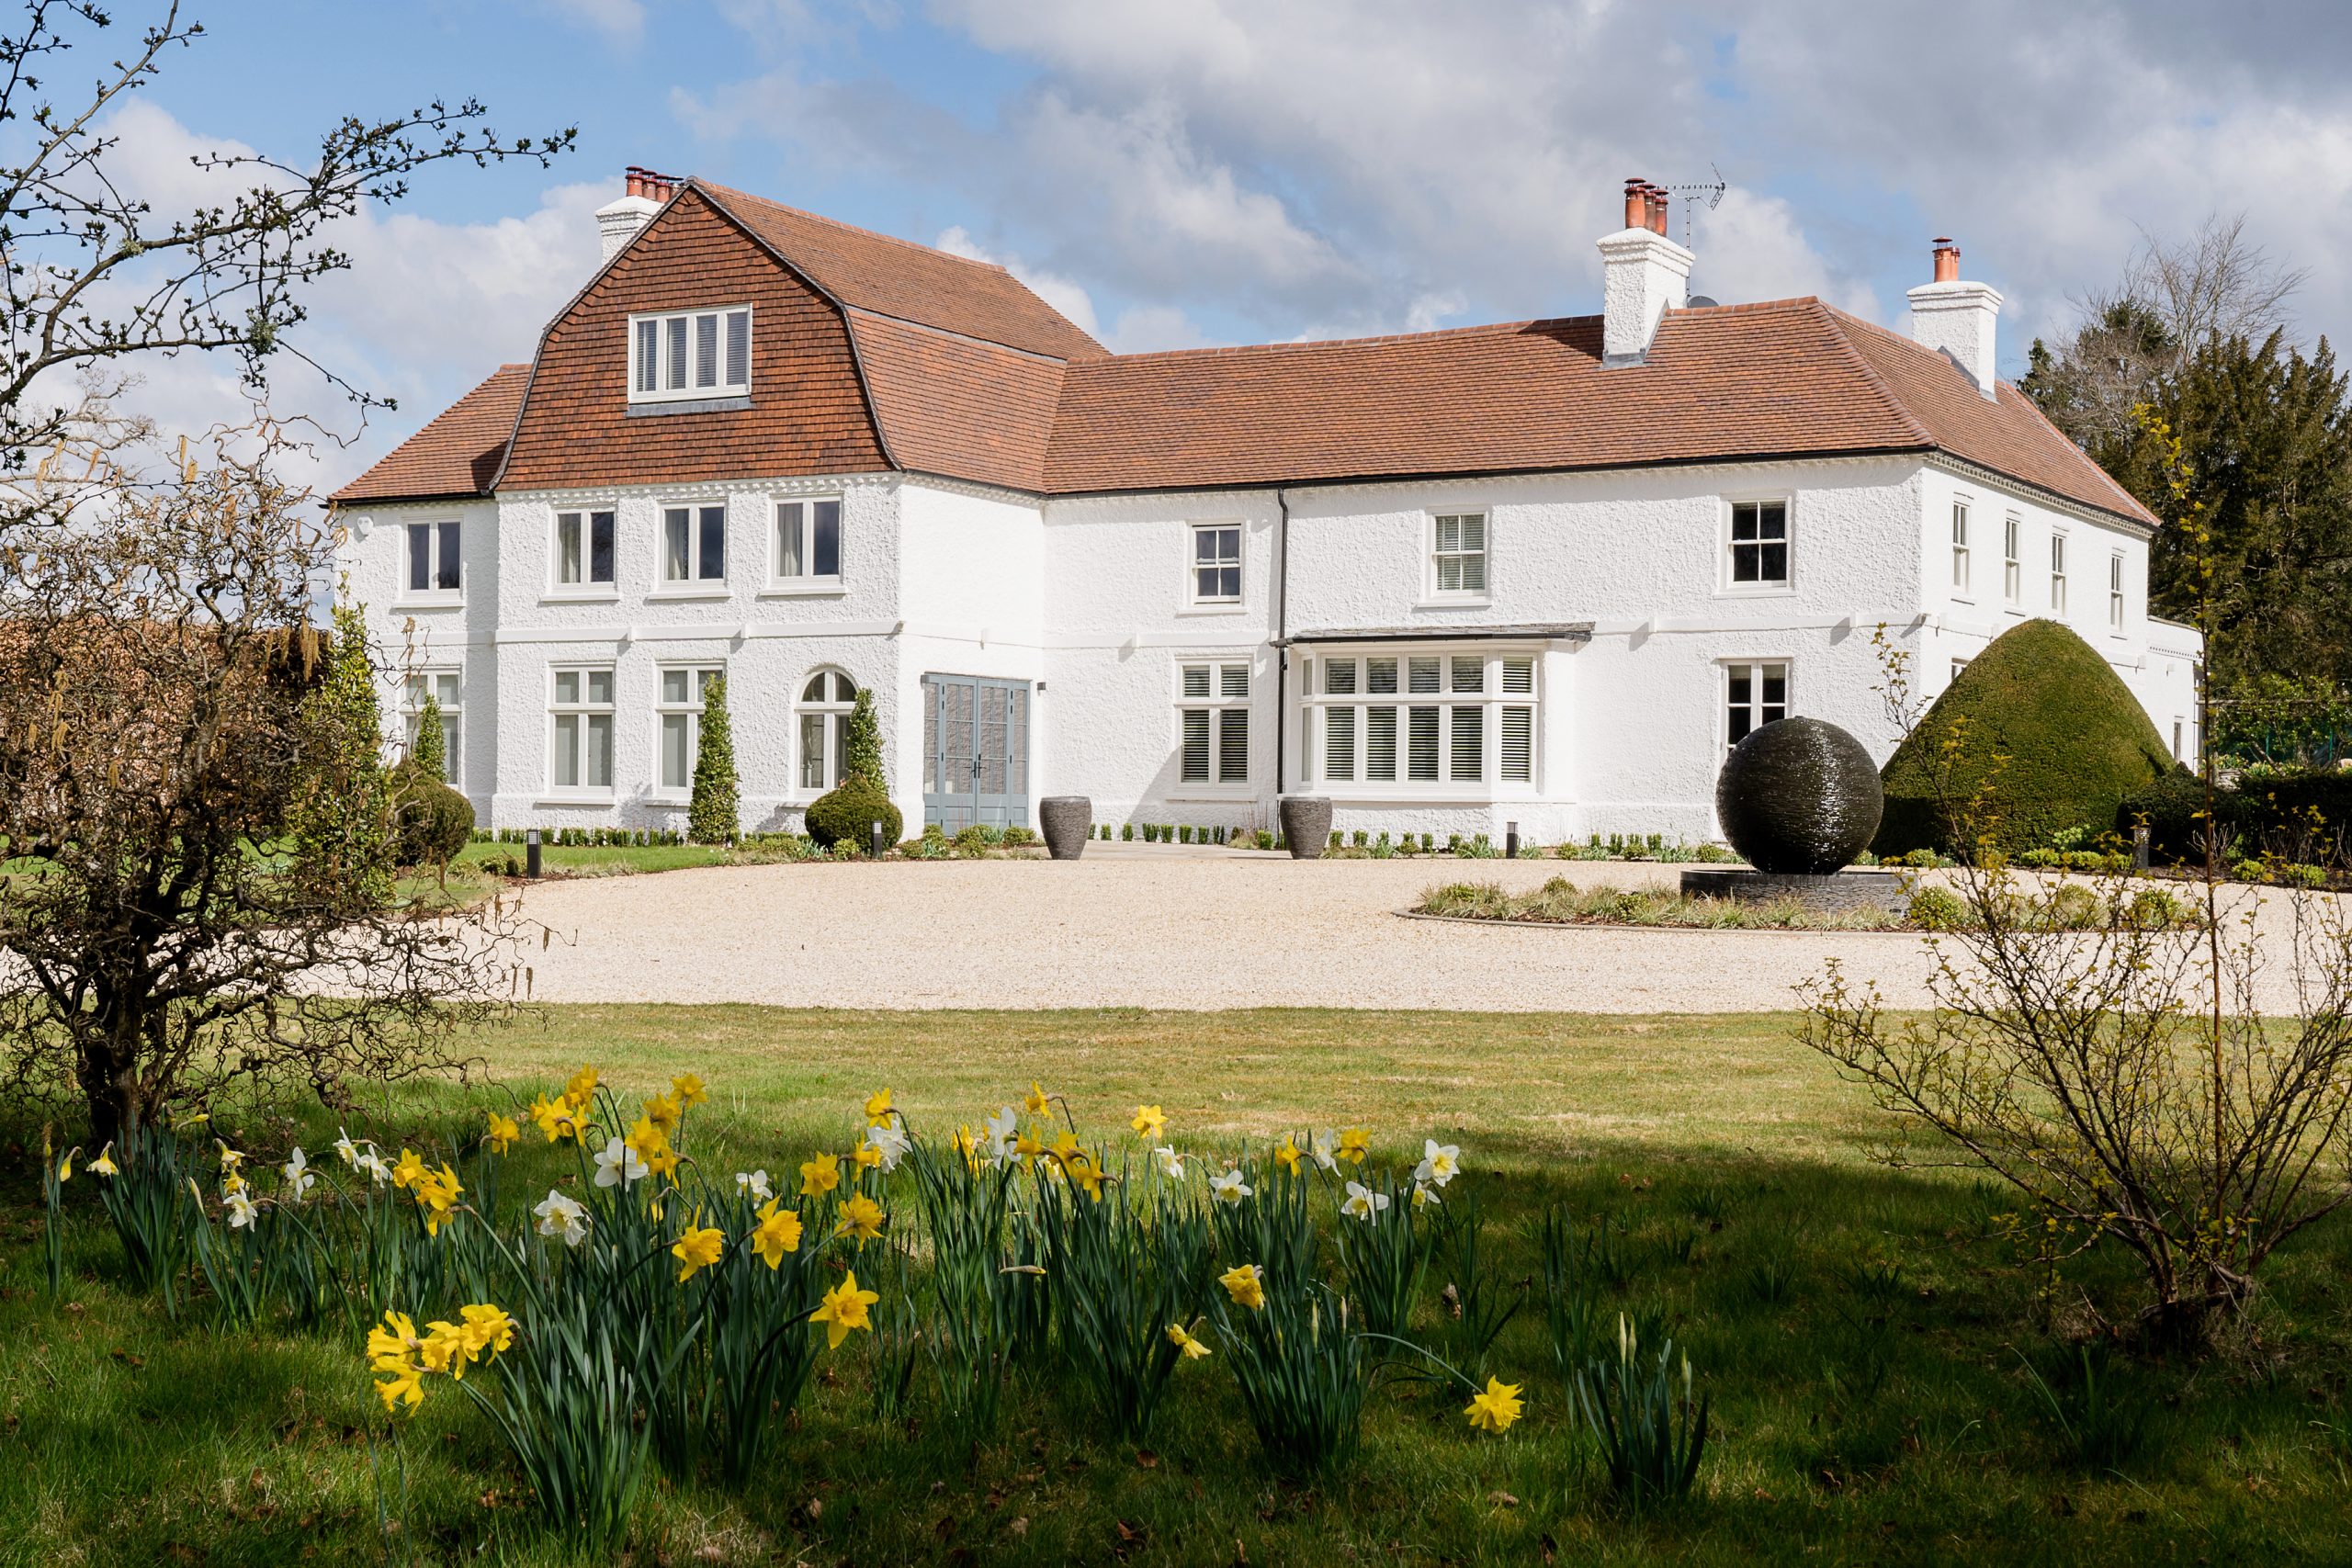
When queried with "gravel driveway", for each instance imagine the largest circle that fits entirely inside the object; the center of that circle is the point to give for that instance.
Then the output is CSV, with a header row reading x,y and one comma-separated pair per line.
x,y
1169,931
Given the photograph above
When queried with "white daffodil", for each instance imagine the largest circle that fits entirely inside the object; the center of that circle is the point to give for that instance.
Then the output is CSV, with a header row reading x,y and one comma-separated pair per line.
x,y
1325,1149
344,1148
1362,1203
1003,1132
616,1162
562,1216
891,1142
297,1171
1441,1163
1424,1196
754,1182
373,1165
1227,1186
1171,1163
241,1210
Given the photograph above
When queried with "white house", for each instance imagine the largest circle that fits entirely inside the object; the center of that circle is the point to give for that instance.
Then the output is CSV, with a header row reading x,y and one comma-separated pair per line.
x,y
1540,572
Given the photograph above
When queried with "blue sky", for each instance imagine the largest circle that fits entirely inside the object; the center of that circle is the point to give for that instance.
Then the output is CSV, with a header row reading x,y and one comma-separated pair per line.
x,y
1178,171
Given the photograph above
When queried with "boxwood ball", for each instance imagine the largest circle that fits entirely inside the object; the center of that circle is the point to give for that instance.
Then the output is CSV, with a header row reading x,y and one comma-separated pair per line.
x,y
1798,796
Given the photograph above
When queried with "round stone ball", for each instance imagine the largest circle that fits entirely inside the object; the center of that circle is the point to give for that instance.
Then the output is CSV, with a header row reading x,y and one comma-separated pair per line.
x,y
1798,796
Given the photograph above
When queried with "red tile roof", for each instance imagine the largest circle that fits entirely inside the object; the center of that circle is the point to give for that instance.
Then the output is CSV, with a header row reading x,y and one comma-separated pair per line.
x,y
954,406
457,453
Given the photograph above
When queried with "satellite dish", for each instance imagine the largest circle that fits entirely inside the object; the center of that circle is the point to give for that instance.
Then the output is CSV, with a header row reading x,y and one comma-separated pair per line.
x,y
1700,302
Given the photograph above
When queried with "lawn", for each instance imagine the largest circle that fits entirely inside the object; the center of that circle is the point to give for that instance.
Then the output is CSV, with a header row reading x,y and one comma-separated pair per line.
x,y
1889,1382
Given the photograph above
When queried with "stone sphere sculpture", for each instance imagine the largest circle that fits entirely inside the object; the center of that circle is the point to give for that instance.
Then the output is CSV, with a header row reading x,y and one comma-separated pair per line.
x,y
1799,796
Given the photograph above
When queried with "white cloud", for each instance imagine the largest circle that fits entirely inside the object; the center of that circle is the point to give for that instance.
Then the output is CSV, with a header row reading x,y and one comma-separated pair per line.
x,y
1754,247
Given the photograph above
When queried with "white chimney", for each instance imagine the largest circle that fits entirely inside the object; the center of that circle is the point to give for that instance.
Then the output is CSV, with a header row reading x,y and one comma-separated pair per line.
x,y
617,224
1956,318
1642,275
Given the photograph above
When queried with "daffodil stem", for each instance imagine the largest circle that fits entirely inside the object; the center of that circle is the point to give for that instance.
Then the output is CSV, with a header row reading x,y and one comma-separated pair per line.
x,y
1430,1357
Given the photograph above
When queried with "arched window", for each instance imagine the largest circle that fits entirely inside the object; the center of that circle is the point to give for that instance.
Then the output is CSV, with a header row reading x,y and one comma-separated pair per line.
x,y
825,701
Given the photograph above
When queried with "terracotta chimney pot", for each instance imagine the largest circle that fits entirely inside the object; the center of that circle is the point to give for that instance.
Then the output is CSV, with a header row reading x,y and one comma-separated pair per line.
x,y
1947,260
1636,205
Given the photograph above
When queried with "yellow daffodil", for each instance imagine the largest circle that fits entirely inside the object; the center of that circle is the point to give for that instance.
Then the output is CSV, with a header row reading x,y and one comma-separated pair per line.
x,y
554,1117
1027,1147
1246,1283
1149,1122
664,1113
1497,1408
877,1108
1286,1154
230,1158
1037,1103
843,1309
103,1165
777,1233
1084,1174
868,1156
689,1091
65,1165
487,1328
820,1176
445,1348
580,1087
436,1194
1192,1349
407,1169
698,1248
231,1184
863,1218
404,1386
1355,1143
501,1134
393,1341
647,1138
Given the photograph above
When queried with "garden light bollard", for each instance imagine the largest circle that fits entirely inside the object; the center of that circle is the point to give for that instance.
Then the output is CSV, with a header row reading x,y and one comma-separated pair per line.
x,y
877,840
1511,840
531,852
2139,846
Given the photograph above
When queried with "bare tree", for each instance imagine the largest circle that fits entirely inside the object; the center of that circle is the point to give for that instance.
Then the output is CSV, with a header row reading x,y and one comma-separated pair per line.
x,y
161,929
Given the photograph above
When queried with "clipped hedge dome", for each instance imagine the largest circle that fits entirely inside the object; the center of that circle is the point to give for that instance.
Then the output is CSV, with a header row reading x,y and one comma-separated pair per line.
x,y
432,823
2076,738
851,811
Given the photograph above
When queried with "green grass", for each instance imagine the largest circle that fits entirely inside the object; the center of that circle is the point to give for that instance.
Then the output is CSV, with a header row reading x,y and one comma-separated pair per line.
x,y
1867,1347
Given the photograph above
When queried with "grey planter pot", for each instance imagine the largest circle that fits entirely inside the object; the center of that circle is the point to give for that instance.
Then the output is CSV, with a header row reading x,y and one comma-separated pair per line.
x,y
1306,825
1066,821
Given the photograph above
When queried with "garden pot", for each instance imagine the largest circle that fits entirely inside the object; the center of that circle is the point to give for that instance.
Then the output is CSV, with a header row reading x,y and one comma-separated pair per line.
x,y
1306,824
1066,821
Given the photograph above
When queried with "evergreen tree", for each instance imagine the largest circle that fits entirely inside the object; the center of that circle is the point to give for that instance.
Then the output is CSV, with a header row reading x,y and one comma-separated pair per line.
x,y
861,743
430,755
714,814
340,813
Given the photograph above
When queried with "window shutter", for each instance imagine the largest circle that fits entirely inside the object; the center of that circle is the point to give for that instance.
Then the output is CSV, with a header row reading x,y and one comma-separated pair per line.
x,y
1196,767
1380,675
1421,743
1469,672
1380,744
1473,535
738,348
1519,745
1233,746
1469,744
1339,677
1340,743
648,356
1519,674
676,379
1197,679
705,351
1424,673
1235,680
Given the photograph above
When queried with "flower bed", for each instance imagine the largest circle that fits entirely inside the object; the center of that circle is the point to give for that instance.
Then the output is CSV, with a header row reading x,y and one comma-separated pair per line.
x,y
2062,907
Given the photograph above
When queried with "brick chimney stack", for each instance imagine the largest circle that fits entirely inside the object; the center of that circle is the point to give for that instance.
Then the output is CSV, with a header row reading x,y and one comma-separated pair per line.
x,y
644,192
1643,275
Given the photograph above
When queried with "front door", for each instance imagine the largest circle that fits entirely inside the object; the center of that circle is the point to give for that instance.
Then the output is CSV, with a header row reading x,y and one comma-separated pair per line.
x,y
976,751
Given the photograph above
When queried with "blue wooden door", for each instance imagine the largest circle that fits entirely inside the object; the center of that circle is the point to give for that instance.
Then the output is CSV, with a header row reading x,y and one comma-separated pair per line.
x,y
976,751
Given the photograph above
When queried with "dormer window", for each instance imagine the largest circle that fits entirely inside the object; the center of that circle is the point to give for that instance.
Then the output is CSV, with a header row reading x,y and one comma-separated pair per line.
x,y
683,355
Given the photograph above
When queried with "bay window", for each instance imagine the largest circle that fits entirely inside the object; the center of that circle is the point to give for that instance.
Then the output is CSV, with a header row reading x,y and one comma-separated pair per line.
x,y
1466,720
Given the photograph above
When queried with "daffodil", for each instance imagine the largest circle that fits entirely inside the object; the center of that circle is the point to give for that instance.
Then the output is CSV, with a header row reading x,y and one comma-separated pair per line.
x,y
555,1118
866,1156
436,1195
1246,1283
1029,1145
373,1165
1425,1196
297,1171
241,1210
103,1165
1083,1173
648,1139
404,1386
65,1165
1354,1145
1230,1186
1150,1120
1286,1154
863,1218
777,1233
1001,1138
407,1169
664,1113
618,1162
393,1341
1362,1203
562,1217
1171,1163
877,1108
230,1158
1441,1163
819,1175
689,1091
754,1184
1037,1103
487,1328
443,1350
1192,1349
1322,1148
500,1135
889,1141
580,1087
231,1183
346,1150
843,1309
1495,1409
698,1248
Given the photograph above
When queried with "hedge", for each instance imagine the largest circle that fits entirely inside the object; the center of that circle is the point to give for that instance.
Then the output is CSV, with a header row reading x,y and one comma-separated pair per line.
x,y
2300,817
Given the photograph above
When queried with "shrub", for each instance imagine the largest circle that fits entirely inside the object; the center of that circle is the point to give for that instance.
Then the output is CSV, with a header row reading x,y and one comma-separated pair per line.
x,y
862,742
1017,835
714,815
2074,907
2152,909
1127,833
2042,727
1937,910
847,815
2040,860
1265,840
432,823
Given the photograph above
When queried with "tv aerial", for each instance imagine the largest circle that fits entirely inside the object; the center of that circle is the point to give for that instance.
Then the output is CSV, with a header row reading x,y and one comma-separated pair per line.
x,y
1691,194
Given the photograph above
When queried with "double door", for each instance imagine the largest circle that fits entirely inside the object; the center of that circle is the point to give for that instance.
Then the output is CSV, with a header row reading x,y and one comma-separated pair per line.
x,y
976,751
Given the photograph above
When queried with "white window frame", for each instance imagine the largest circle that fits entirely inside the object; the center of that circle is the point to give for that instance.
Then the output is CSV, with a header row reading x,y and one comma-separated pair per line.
x,y
587,587
665,343
693,585
2012,560
2118,618
584,710
1508,677
1195,564
1963,564
1228,776
699,673
1728,582
803,523
439,534
1757,706
1434,590
2058,573
832,712
453,728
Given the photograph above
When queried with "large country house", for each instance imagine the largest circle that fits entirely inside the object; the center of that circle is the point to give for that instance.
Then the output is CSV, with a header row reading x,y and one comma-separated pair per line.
x,y
1540,572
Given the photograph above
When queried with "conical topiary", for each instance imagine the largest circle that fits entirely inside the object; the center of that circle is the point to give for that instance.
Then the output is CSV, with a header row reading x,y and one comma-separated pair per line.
x,y
431,753
714,812
862,742
2047,732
